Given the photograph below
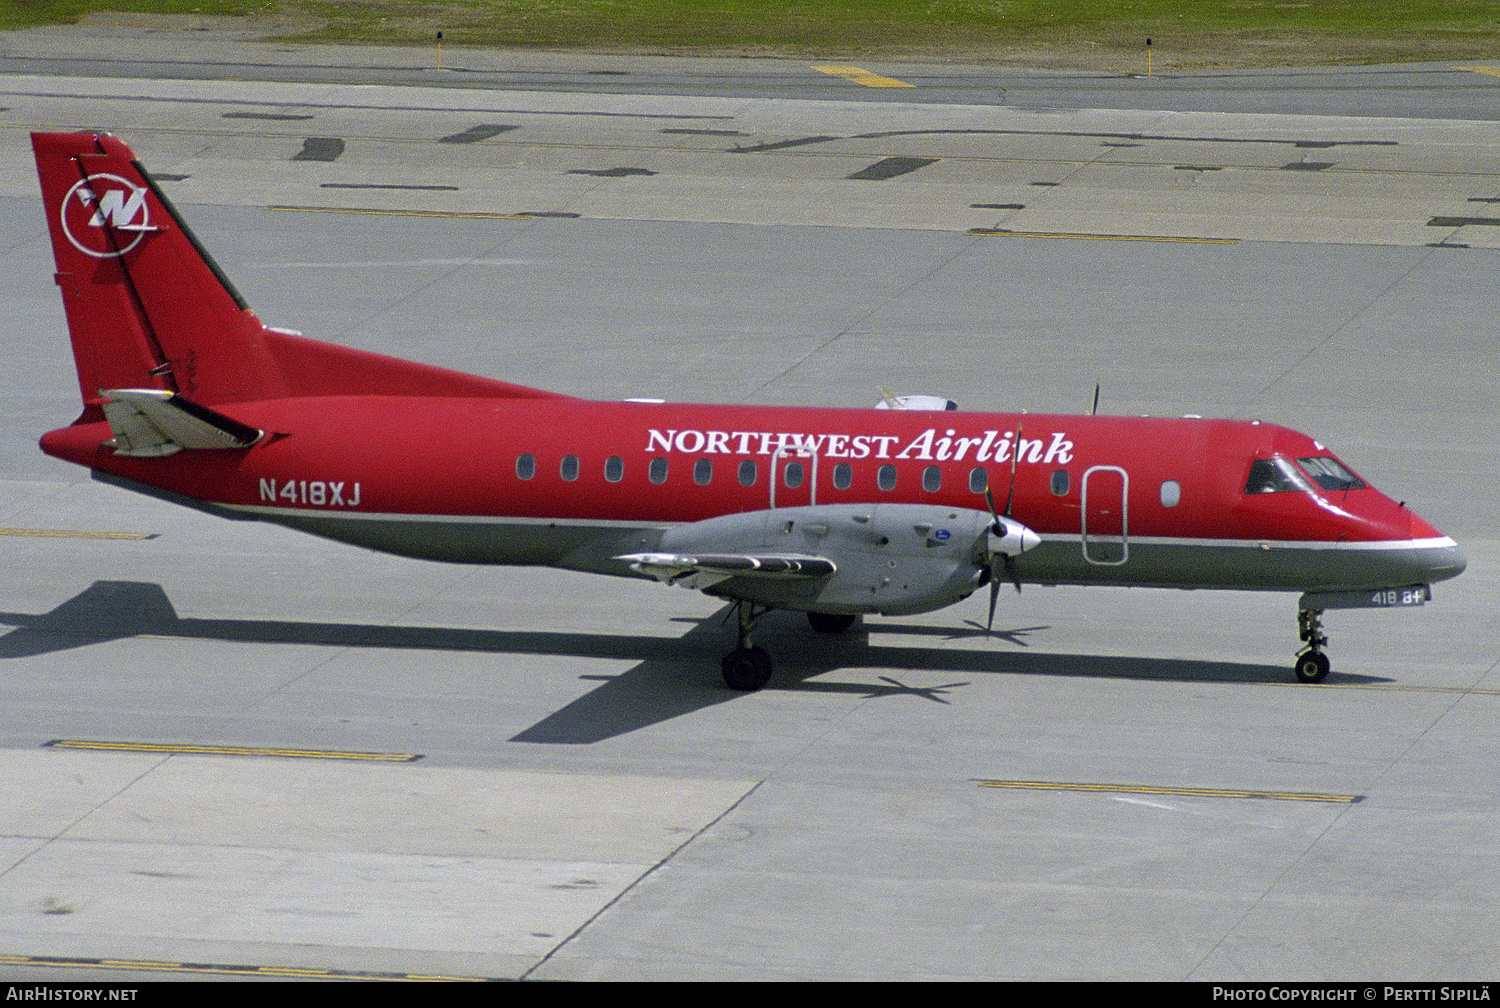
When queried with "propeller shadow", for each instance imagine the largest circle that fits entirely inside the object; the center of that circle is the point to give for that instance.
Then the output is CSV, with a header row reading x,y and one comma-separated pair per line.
x,y
673,675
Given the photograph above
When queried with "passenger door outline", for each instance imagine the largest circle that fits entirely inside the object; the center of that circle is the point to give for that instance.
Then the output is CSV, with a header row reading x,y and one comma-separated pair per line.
x,y
1105,549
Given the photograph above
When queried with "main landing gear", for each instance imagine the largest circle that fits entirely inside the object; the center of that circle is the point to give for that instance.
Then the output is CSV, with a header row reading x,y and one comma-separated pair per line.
x,y
1312,663
747,667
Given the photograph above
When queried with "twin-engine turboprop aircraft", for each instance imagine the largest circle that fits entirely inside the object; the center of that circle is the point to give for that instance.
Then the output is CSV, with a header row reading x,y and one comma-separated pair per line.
x,y
833,512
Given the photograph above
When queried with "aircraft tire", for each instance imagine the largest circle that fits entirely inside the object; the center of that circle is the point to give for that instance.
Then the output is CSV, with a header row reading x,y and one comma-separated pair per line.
x,y
1312,667
831,623
746,669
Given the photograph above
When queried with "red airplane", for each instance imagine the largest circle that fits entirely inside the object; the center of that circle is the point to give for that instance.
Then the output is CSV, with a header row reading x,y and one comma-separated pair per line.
x,y
188,397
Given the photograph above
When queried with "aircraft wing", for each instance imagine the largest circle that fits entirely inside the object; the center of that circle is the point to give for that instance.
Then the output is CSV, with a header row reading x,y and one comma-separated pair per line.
x,y
704,570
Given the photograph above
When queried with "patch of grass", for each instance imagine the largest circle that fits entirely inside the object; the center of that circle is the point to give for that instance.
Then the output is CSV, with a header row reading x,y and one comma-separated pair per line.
x,y
1239,32
835,23
25,13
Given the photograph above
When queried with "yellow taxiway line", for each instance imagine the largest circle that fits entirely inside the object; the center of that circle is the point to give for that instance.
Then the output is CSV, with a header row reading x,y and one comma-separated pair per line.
x,y
1193,792
215,750
1099,237
859,75
179,967
67,534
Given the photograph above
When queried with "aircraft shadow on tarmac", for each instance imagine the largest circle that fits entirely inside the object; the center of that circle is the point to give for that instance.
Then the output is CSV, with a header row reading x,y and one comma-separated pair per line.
x,y
675,676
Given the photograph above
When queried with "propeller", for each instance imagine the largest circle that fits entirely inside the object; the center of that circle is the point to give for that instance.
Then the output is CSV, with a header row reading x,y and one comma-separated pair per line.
x,y
1007,540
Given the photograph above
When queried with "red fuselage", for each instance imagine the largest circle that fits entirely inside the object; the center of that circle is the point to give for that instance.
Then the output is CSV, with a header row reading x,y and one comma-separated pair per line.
x,y
1101,488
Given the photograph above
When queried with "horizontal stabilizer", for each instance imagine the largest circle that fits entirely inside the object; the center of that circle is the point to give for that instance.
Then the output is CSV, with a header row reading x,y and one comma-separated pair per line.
x,y
706,570
157,422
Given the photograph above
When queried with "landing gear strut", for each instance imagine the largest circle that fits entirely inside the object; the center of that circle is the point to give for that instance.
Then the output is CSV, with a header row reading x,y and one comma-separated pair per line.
x,y
747,667
1312,663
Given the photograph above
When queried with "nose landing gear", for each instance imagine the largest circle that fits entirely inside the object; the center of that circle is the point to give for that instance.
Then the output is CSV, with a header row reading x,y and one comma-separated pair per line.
x,y
1312,663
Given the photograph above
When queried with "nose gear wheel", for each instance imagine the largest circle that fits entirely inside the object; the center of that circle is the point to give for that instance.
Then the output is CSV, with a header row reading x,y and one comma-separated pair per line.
x,y
1312,663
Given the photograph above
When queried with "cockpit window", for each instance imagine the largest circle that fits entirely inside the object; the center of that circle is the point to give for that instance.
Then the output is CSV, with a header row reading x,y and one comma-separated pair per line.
x,y
1330,475
1275,475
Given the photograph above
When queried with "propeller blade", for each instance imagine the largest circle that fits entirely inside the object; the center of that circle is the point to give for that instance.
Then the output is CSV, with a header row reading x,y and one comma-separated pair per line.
x,y
1006,561
1001,528
1015,456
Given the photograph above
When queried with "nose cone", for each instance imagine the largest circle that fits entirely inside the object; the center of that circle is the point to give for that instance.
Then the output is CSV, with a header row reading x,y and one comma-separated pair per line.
x,y
1382,544
1435,556
1441,562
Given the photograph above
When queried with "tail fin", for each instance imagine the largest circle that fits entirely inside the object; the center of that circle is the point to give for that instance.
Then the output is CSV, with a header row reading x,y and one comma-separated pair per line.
x,y
149,309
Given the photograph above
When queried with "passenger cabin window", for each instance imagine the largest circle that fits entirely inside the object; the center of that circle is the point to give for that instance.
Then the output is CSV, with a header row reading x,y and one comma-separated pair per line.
x,y
1060,483
1330,475
793,474
1275,475
885,477
614,469
979,480
932,479
747,473
568,468
525,466
703,471
1171,493
843,475
656,472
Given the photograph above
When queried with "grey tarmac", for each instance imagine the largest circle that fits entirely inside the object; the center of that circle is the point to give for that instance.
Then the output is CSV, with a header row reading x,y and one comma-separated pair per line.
x,y
590,803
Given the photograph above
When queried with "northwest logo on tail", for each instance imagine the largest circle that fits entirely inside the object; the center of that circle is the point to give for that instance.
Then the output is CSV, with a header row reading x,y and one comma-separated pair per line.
x,y
105,215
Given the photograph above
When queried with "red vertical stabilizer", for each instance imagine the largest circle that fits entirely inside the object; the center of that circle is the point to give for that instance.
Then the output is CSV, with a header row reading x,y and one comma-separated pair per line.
x,y
149,309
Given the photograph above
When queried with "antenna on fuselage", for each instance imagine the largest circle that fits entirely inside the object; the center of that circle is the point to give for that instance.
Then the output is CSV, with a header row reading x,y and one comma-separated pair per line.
x,y
1015,456
1095,410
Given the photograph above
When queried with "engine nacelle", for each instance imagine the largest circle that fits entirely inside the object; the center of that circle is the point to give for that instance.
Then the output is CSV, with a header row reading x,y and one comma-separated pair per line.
x,y
895,559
